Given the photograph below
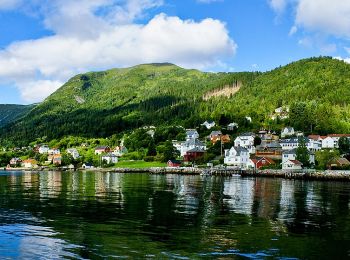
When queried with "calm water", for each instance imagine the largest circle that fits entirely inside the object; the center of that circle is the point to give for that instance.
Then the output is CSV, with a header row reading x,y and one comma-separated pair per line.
x,y
107,215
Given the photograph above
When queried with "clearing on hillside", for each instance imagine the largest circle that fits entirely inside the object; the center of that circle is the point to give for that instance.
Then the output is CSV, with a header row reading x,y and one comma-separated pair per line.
x,y
226,91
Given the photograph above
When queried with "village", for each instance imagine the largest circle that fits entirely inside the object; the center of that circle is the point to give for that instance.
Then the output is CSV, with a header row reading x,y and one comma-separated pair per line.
x,y
290,150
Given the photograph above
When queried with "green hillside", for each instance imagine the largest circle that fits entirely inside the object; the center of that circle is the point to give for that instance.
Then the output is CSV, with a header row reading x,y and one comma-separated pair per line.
x,y
100,104
10,113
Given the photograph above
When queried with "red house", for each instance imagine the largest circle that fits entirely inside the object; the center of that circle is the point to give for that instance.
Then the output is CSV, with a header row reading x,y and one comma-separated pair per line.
x,y
262,162
102,149
194,154
174,163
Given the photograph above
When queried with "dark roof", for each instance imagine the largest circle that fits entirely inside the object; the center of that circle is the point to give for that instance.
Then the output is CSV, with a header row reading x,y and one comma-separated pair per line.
x,y
101,147
293,140
88,164
194,142
109,155
191,132
196,150
240,149
292,151
216,133
175,161
247,134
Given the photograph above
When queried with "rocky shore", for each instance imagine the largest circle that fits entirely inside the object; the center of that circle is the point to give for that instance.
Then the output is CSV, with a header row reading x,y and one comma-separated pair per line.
x,y
226,172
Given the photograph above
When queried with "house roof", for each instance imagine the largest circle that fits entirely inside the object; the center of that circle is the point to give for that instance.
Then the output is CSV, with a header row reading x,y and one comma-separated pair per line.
x,y
255,161
109,155
343,161
293,140
33,161
339,135
292,151
239,149
174,161
101,147
314,137
196,150
289,129
270,161
246,134
191,132
296,162
87,164
194,142
215,133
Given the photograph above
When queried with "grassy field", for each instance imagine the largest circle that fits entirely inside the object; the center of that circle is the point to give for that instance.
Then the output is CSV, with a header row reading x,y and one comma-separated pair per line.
x,y
139,164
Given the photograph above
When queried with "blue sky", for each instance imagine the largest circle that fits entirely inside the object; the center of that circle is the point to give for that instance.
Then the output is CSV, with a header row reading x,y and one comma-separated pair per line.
x,y
44,43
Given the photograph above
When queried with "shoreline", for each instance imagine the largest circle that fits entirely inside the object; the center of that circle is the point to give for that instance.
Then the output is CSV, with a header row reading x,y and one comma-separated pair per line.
x,y
328,175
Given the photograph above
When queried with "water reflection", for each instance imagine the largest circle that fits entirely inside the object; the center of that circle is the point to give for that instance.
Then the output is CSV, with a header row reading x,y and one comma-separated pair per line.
x,y
92,215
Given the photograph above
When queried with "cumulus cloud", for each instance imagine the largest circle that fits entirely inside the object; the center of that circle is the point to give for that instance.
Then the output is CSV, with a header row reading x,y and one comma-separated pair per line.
x,y
329,17
83,41
318,16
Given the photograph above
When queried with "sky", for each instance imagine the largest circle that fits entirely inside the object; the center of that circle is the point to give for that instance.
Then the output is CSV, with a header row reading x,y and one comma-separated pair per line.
x,y
43,43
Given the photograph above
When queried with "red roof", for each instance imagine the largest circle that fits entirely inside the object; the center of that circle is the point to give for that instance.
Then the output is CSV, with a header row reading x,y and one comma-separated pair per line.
x,y
296,162
314,137
339,135
268,160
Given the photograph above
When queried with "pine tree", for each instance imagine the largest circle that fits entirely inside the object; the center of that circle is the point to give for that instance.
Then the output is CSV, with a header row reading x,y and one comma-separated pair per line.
x,y
302,153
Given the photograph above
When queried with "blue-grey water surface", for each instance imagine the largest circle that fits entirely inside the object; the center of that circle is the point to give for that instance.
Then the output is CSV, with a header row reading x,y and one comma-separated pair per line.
x,y
93,215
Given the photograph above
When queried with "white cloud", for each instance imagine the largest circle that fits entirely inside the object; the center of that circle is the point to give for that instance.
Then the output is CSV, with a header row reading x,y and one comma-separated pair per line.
x,y
278,5
9,4
83,41
318,16
293,30
328,17
347,60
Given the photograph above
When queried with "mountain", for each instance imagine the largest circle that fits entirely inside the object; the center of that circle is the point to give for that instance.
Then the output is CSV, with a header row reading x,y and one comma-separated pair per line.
x,y
100,104
10,113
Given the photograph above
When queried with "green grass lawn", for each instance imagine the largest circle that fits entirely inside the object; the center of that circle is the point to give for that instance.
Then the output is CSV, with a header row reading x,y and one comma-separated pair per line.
x,y
139,164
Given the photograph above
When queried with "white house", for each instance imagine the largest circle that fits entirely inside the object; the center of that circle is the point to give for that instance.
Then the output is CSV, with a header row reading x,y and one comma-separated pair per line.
x,y
291,155
54,151
73,152
44,149
332,140
232,126
30,163
151,132
313,145
246,140
109,158
287,131
191,134
292,143
292,165
237,156
119,150
208,124
191,144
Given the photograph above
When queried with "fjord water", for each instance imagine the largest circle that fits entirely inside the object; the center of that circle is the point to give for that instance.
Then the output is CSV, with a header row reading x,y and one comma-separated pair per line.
x,y
93,215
